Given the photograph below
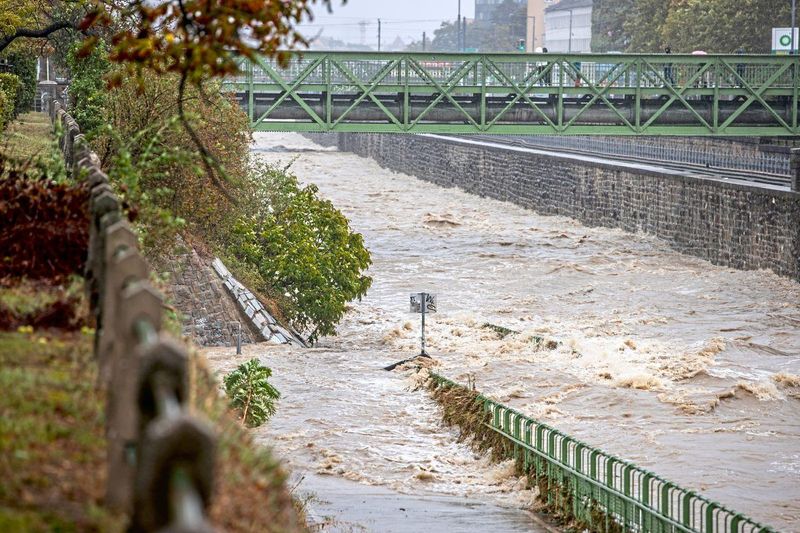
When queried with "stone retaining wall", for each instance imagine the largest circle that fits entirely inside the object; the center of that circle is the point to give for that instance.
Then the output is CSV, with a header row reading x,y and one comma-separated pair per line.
x,y
736,225
210,316
214,305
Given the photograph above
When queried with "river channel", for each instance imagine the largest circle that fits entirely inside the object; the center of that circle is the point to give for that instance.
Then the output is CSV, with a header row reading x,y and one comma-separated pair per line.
x,y
688,369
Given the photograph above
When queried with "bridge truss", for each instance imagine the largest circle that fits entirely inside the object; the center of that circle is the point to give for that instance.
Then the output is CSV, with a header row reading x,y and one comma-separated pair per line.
x,y
587,94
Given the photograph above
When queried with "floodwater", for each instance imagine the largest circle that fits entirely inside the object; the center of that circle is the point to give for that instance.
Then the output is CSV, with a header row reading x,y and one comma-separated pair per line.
x,y
685,368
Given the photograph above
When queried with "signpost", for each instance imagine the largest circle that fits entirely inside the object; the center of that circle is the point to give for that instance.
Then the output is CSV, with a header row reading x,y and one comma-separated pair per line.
x,y
784,41
423,303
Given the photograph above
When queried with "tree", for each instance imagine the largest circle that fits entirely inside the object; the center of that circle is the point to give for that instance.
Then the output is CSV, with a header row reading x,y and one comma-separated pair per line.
x,y
249,392
724,26
608,25
644,24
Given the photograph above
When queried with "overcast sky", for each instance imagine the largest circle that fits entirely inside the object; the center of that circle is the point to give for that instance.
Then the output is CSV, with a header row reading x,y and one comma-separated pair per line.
x,y
404,18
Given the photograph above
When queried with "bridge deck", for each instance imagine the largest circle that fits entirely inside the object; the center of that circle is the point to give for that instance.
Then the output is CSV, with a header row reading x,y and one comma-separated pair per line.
x,y
594,94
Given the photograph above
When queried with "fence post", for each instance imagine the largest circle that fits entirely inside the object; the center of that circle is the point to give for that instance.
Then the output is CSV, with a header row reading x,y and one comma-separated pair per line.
x,y
138,302
124,265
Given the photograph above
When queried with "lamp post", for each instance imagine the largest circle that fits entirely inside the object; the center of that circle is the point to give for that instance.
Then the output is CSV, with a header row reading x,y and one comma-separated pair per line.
x,y
569,49
794,23
458,39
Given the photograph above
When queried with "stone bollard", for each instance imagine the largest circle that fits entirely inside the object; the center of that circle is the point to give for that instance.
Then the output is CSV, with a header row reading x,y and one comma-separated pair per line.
x,y
138,302
794,165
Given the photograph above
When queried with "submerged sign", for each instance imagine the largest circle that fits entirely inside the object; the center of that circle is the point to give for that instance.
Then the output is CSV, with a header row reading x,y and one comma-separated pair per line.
x,y
423,302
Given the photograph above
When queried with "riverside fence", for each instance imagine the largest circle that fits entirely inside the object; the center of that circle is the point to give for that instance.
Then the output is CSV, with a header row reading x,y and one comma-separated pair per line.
x,y
603,492
160,457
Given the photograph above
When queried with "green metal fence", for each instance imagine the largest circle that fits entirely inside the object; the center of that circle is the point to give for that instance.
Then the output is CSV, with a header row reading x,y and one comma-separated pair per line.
x,y
604,491
605,94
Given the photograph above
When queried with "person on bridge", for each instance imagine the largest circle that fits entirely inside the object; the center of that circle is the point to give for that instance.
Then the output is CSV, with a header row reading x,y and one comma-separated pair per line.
x,y
668,68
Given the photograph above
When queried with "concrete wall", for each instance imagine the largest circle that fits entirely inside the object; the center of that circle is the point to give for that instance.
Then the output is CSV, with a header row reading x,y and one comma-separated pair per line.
x,y
740,226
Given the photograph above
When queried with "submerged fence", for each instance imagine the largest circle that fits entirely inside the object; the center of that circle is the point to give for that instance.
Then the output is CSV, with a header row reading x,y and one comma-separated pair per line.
x,y
160,457
603,492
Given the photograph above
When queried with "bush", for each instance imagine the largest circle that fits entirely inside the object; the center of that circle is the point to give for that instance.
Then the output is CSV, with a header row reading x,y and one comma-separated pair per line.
x,y
303,249
3,106
249,392
9,86
23,65
44,230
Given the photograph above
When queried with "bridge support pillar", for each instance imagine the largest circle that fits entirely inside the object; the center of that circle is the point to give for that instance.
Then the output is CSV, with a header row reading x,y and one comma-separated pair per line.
x,y
794,163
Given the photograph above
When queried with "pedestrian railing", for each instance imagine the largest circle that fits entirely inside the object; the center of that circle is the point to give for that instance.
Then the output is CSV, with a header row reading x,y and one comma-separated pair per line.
x,y
664,149
598,490
160,457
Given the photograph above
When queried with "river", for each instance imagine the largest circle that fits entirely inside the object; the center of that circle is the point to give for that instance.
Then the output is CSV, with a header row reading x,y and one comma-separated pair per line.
x,y
688,369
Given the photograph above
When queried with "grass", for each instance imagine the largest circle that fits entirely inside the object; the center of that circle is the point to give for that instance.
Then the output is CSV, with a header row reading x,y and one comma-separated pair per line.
x,y
28,137
53,449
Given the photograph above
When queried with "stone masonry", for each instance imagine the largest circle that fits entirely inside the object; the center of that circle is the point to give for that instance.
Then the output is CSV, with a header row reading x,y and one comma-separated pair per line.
x,y
210,317
736,225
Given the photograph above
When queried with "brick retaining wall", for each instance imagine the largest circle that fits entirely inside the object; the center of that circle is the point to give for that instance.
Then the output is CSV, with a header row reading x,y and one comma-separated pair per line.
x,y
735,225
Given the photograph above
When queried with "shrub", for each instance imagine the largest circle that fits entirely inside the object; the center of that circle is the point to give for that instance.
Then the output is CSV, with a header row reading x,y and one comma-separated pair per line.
x,y
3,106
9,86
249,392
23,65
44,230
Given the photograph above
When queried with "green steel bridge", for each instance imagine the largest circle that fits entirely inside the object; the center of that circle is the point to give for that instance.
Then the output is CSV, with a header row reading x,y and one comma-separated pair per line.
x,y
586,94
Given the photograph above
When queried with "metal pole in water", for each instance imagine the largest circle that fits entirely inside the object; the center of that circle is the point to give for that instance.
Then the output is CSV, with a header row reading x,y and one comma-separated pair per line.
x,y
422,337
239,340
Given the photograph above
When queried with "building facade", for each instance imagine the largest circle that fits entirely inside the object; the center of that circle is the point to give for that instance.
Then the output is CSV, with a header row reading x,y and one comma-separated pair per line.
x,y
568,26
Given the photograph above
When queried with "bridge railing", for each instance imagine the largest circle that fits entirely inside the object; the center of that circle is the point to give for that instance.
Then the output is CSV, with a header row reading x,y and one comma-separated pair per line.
x,y
523,93
599,490
160,456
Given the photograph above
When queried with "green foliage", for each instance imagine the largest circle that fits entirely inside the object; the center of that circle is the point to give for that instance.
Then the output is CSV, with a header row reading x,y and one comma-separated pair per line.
x,y
716,26
23,65
9,86
608,19
303,249
643,26
723,26
249,391
4,104
87,89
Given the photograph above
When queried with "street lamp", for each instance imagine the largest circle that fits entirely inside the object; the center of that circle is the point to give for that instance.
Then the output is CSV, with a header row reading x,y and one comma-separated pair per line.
x,y
569,49
458,39
794,23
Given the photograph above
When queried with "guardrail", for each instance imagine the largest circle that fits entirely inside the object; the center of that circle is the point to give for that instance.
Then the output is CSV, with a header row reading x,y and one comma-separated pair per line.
x,y
160,457
602,492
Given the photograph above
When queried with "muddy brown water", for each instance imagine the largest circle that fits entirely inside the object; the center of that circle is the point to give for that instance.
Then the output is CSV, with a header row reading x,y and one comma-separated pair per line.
x,y
683,367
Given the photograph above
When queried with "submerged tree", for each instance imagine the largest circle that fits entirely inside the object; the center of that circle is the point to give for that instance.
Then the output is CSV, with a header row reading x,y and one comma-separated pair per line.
x,y
250,392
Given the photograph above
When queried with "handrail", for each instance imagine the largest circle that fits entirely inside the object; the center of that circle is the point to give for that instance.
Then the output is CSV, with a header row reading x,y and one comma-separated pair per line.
x,y
627,497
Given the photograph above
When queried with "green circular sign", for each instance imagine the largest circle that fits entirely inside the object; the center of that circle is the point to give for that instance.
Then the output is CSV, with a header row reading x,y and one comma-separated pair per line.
x,y
785,40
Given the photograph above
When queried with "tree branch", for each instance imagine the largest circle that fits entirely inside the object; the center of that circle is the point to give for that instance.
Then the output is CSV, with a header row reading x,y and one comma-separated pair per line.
x,y
39,33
